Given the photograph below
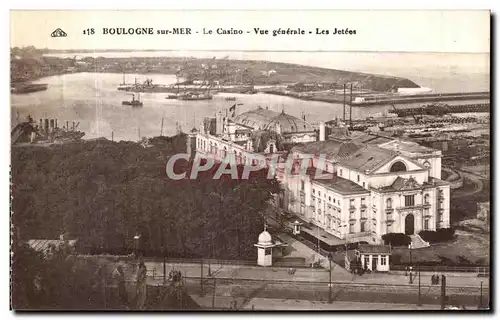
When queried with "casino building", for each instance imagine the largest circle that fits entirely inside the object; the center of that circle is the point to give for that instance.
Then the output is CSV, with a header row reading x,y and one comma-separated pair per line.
x,y
368,184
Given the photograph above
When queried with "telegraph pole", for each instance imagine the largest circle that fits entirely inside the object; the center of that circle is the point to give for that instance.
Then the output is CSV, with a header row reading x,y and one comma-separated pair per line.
x,y
201,281
481,296
213,296
350,109
344,104
443,291
419,301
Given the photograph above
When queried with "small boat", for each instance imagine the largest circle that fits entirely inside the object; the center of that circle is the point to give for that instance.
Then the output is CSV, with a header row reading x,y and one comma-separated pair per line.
x,y
171,96
123,86
231,99
28,88
134,103
195,96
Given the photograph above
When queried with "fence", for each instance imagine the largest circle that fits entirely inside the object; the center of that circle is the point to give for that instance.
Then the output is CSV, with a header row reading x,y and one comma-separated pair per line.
x,y
483,271
204,261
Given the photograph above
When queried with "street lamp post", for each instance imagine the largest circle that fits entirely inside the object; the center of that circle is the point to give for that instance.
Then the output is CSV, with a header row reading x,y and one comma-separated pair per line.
x,y
136,245
411,271
330,258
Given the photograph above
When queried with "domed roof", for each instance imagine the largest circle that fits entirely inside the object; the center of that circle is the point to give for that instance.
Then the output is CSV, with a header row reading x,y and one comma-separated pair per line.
x,y
265,238
289,124
262,119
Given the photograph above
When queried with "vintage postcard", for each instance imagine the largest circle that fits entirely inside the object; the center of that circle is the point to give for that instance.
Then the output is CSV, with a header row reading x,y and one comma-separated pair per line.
x,y
250,160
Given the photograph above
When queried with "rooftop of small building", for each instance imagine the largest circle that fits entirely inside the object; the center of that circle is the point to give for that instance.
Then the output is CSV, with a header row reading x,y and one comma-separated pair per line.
x,y
374,249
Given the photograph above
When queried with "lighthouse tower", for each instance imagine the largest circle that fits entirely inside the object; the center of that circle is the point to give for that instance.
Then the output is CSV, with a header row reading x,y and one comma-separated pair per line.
x,y
265,249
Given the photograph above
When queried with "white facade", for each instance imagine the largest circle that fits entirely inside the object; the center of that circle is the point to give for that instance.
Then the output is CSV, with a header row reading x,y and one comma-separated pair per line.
x,y
375,262
392,187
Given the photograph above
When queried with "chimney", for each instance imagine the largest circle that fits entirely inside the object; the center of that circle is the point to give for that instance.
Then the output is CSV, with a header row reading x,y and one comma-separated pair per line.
x,y
322,131
67,125
218,124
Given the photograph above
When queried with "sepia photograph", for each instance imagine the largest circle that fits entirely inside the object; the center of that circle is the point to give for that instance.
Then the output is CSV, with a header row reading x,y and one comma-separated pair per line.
x,y
250,160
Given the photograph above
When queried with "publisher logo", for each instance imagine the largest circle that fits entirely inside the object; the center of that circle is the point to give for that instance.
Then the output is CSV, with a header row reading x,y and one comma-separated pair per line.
x,y
58,33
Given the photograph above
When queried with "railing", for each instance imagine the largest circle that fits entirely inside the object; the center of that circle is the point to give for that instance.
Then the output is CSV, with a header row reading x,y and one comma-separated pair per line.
x,y
481,270
204,261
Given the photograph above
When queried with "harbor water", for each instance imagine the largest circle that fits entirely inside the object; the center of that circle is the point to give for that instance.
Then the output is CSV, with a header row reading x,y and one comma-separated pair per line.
x,y
92,99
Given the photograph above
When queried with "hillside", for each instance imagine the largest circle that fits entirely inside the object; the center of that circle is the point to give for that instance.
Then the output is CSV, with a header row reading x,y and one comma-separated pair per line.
x,y
31,64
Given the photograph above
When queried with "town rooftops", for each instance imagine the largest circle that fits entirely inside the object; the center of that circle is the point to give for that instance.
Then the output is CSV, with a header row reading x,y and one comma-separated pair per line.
x,y
374,249
341,185
44,246
367,157
351,154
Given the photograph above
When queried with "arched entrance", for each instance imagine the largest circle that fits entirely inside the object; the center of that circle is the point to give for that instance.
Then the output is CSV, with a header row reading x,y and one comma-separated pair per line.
x,y
410,224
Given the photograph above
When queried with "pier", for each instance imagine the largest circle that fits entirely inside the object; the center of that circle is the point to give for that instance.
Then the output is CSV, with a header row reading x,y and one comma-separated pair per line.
x,y
442,109
386,99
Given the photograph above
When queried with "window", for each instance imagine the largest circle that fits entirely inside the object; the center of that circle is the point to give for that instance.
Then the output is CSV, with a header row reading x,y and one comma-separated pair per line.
x,y
340,171
363,184
374,224
367,261
314,191
389,203
409,201
426,198
426,224
329,198
398,166
383,260
363,201
363,226
358,177
319,193
302,185
363,213
319,212
351,228
351,202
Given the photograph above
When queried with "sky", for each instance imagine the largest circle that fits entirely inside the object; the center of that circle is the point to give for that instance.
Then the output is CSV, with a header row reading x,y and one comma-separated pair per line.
x,y
408,31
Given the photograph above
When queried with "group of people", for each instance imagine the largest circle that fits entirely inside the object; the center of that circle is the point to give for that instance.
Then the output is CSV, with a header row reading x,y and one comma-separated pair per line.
x,y
435,279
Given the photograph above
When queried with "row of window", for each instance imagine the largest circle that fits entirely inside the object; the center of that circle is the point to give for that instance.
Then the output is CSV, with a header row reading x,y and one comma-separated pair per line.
x,y
409,201
383,260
